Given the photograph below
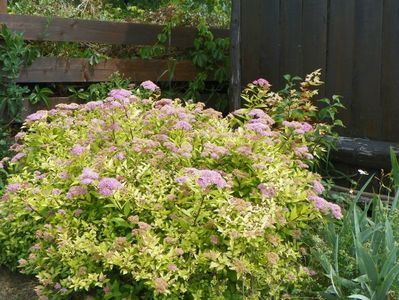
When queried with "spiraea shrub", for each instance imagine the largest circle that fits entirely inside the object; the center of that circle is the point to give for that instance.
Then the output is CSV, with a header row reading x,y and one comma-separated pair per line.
x,y
139,197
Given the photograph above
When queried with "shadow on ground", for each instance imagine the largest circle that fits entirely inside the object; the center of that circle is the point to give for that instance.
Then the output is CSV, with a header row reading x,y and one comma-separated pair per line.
x,y
14,286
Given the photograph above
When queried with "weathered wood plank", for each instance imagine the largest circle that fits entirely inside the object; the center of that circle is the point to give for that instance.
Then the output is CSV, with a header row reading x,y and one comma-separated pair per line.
x,y
74,30
314,35
340,57
250,40
291,37
269,15
3,7
51,69
364,153
235,57
367,119
390,71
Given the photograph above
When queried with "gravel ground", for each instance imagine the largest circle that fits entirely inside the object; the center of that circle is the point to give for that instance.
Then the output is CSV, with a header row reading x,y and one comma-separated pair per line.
x,y
15,286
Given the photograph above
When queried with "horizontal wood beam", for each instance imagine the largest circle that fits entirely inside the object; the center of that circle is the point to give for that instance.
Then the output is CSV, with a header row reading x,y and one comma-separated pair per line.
x,y
62,70
364,153
73,30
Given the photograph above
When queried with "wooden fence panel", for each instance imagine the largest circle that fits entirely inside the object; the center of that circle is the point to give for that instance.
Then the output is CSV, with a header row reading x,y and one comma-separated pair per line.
x,y
355,42
314,36
51,69
340,45
291,37
74,30
250,42
390,71
367,112
269,12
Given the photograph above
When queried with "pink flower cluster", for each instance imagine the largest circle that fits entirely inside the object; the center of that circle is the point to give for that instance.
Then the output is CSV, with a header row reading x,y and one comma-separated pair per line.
x,y
261,82
88,176
298,127
76,191
149,86
204,178
78,150
209,177
325,206
40,115
214,151
107,186
13,187
266,191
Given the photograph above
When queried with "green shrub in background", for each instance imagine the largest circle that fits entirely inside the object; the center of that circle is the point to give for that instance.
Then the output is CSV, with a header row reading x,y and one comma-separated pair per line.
x,y
137,196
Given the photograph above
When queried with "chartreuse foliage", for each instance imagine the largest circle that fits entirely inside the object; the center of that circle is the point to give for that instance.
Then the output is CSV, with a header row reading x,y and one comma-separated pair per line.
x,y
136,197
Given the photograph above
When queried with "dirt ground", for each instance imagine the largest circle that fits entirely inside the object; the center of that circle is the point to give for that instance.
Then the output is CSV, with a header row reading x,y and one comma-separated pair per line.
x,y
15,286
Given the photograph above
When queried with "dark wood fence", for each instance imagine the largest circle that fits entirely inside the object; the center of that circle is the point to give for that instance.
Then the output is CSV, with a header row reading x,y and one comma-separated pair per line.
x,y
355,42
53,69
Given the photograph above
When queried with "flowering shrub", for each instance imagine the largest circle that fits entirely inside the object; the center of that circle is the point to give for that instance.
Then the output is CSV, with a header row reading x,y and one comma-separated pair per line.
x,y
141,197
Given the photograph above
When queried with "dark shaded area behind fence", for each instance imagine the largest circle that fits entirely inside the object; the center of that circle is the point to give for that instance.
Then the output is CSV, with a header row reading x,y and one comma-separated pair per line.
x,y
355,42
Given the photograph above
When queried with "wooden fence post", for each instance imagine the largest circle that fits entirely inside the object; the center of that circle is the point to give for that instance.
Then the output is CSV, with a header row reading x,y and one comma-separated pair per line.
x,y
3,6
235,57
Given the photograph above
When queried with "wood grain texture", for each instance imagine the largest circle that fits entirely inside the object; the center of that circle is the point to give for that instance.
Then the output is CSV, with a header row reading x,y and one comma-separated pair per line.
x,y
366,82
390,71
235,57
270,42
74,30
314,35
3,7
340,47
291,37
250,40
51,69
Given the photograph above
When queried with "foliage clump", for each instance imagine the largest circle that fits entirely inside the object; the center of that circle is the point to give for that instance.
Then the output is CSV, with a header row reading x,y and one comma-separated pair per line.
x,y
136,196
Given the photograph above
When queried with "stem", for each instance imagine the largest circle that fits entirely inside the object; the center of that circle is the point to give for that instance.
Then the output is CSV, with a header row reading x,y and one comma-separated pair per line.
x,y
199,210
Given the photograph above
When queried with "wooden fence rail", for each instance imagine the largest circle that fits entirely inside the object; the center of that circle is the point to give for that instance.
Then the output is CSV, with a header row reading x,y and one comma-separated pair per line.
x,y
52,69
105,32
64,70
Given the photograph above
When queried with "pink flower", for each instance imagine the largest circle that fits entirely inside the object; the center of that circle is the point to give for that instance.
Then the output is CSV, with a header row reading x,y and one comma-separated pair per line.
x,y
120,94
336,211
17,157
76,191
261,82
41,114
88,176
182,179
13,187
78,212
107,186
256,113
318,188
183,125
210,177
149,86
266,191
78,150
57,286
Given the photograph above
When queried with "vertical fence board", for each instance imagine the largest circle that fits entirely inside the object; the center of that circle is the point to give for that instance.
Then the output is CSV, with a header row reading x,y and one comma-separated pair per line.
x,y
250,45
291,37
367,112
235,57
314,35
390,71
270,42
340,56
